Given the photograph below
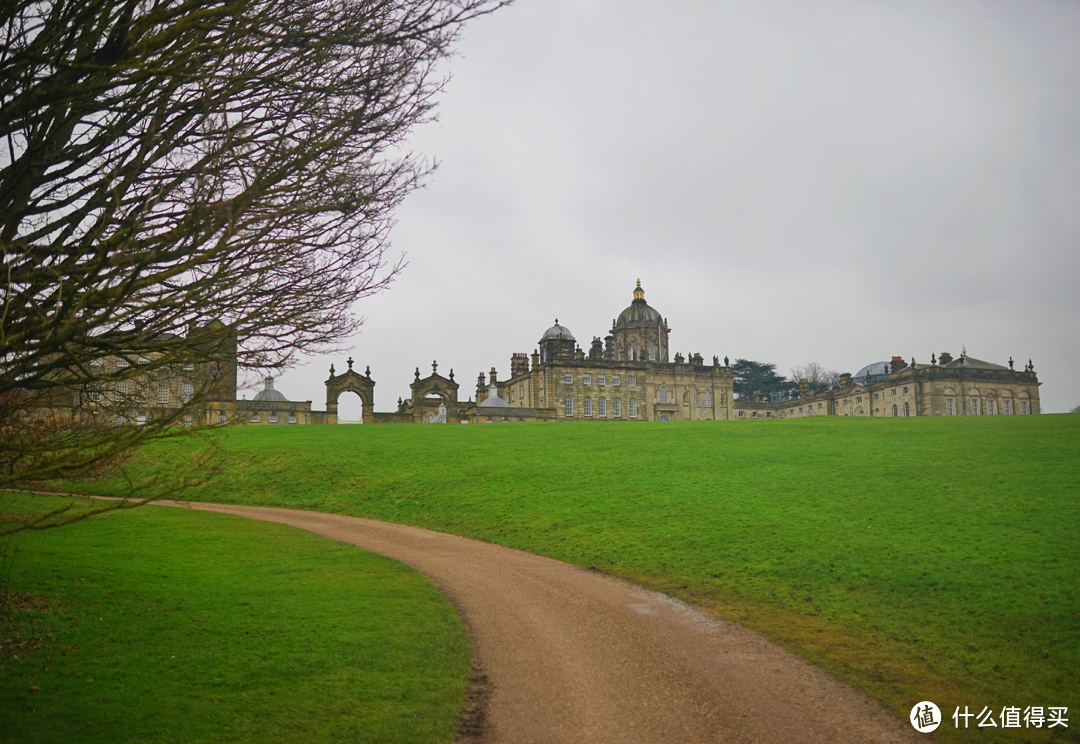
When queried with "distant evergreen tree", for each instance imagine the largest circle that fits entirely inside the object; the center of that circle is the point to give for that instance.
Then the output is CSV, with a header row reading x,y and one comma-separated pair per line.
x,y
753,376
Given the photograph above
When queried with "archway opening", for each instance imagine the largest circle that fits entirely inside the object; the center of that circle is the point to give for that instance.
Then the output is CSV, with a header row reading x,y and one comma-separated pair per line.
x,y
350,408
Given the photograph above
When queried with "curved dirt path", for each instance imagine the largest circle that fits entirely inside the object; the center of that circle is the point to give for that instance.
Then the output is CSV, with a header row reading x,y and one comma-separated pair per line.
x,y
564,654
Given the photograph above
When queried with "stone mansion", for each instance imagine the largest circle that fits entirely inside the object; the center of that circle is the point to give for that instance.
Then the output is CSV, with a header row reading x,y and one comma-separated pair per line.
x,y
628,375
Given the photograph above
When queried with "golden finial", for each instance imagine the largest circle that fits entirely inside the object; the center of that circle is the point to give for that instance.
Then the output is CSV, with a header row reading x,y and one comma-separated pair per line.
x,y
639,284
639,293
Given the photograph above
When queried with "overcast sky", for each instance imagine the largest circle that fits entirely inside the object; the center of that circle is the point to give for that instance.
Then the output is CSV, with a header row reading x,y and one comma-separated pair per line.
x,y
835,182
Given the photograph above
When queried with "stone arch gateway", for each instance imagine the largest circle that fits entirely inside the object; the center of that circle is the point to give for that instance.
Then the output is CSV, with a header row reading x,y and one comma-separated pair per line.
x,y
350,382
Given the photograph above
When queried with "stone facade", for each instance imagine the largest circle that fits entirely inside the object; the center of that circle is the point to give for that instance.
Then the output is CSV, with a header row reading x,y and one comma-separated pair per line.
x,y
946,387
625,377
134,388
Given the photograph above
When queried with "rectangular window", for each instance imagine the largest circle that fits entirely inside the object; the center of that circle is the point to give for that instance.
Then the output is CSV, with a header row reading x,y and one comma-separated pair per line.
x,y
140,420
632,381
894,392
121,363
877,396
616,408
768,414
708,398
142,394
602,408
94,393
1023,408
697,399
587,406
292,418
905,391
189,366
568,379
990,407
163,394
615,379
1006,407
800,409
121,389
601,379
187,392
819,406
255,418
633,407
221,418
949,407
586,379
754,415
273,418
569,406
858,399
513,394
542,381
652,351
974,406
742,414
120,421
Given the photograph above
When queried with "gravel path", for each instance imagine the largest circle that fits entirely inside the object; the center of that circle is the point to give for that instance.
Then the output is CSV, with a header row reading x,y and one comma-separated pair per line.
x,y
563,654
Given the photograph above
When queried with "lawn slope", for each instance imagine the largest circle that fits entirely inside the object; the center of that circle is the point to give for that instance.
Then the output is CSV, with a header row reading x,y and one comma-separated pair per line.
x,y
917,558
169,625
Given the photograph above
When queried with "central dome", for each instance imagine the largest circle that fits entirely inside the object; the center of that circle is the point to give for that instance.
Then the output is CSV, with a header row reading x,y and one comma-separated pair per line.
x,y
639,311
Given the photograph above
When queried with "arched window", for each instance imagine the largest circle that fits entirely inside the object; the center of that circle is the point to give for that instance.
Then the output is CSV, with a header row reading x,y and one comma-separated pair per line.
x,y
708,398
990,407
569,406
652,351
894,413
697,399
587,406
187,393
907,409
602,406
633,408
663,394
616,408
633,351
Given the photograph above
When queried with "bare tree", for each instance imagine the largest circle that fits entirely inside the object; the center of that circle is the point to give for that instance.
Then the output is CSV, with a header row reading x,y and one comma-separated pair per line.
x,y
816,376
182,180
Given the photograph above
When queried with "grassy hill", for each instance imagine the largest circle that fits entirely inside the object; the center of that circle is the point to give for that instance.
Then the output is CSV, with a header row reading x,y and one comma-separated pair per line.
x,y
920,559
169,625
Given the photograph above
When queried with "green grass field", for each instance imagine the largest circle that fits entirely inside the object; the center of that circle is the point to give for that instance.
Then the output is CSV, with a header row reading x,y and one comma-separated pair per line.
x,y
168,625
916,558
